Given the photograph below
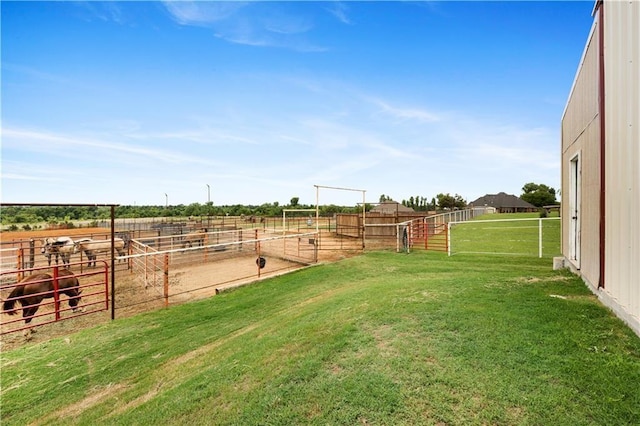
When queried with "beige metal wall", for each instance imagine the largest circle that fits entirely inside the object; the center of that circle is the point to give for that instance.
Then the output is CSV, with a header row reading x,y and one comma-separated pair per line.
x,y
581,131
622,155
581,136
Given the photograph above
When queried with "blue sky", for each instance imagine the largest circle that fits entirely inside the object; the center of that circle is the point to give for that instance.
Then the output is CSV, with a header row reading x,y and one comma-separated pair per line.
x,y
124,102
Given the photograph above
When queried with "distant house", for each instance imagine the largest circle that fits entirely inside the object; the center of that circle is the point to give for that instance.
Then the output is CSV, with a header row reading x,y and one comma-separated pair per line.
x,y
391,207
504,203
601,162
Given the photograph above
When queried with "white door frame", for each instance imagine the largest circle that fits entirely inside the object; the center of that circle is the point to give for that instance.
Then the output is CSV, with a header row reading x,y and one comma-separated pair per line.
x,y
575,214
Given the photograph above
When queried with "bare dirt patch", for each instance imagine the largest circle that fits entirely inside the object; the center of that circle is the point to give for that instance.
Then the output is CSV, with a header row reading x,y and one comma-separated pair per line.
x,y
7,236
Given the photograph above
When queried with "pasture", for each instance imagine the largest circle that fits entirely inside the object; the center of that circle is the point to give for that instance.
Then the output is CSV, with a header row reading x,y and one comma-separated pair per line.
x,y
507,234
382,338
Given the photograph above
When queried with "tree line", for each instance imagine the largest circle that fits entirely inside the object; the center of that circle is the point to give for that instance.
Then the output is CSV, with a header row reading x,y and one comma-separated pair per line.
x,y
23,215
537,194
439,202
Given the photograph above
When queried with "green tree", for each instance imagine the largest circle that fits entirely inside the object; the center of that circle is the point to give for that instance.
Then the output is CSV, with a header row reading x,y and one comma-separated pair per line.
x,y
294,201
538,194
451,202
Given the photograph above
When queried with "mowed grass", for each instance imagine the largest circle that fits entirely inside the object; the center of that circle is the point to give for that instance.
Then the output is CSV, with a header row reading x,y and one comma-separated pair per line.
x,y
517,235
379,339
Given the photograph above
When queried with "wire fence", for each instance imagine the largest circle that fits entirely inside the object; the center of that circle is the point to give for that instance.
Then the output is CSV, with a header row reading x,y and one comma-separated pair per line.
x,y
526,237
218,259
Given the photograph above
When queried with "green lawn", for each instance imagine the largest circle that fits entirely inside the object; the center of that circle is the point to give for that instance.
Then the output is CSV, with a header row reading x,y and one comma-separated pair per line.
x,y
507,234
379,339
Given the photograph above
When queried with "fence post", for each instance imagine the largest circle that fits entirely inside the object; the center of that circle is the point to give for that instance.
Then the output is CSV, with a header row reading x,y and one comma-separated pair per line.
x,y
32,253
166,280
257,244
540,238
20,261
258,250
129,253
146,265
106,292
205,243
56,295
315,247
427,233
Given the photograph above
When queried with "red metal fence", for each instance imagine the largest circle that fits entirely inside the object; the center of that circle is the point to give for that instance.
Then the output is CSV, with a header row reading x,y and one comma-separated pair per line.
x,y
429,236
93,287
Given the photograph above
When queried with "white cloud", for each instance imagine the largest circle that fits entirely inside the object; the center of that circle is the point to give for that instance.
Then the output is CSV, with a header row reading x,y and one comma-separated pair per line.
x,y
248,23
62,145
339,10
405,113
109,11
13,176
201,136
202,13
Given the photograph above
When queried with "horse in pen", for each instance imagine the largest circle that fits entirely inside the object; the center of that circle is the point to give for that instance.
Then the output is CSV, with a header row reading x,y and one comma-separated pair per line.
x,y
194,238
62,247
30,291
92,248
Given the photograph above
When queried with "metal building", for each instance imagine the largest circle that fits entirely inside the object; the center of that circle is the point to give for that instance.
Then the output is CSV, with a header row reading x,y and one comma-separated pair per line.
x,y
601,161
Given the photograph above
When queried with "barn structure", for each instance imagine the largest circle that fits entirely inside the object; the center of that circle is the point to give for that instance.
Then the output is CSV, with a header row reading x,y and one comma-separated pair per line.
x,y
391,207
601,161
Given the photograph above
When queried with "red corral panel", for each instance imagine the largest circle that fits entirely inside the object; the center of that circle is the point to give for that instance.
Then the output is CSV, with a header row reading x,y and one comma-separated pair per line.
x,y
38,296
429,236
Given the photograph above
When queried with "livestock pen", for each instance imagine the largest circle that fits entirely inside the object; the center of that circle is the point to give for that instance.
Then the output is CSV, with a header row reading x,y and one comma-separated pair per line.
x,y
174,270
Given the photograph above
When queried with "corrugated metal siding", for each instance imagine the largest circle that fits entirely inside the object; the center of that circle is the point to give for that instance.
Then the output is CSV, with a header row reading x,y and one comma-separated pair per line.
x,y
622,153
590,203
581,135
582,107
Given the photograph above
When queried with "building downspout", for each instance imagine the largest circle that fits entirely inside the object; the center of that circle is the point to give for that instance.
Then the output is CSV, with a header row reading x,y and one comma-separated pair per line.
x,y
601,113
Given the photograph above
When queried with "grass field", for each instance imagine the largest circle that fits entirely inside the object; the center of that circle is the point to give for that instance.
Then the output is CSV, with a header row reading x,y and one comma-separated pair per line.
x,y
379,339
507,234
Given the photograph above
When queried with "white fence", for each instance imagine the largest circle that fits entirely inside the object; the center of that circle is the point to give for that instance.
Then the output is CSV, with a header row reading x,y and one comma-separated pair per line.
x,y
527,236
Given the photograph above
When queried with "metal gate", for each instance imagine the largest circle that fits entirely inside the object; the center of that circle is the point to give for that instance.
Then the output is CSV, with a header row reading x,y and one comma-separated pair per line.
x,y
429,236
45,295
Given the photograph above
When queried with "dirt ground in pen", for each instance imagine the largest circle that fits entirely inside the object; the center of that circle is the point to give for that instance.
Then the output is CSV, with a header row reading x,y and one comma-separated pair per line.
x,y
133,295
204,280
43,233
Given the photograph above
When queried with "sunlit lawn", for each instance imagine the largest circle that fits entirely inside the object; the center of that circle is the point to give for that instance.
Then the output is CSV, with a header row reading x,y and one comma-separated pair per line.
x,y
384,339
507,234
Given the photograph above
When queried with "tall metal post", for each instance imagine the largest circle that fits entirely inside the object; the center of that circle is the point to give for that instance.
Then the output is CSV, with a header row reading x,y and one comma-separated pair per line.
x,y
364,220
540,238
317,209
113,263
56,292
